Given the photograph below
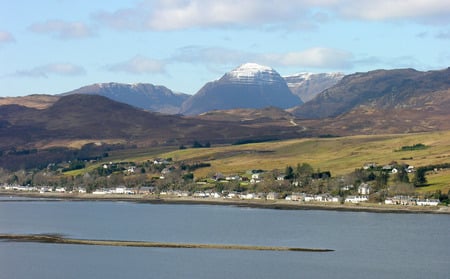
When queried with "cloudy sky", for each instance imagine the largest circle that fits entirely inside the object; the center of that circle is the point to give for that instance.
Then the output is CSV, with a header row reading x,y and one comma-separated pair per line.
x,y
54,46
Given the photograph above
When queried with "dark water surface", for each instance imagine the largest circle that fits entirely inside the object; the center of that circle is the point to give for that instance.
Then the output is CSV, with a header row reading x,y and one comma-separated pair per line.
x,y
368,245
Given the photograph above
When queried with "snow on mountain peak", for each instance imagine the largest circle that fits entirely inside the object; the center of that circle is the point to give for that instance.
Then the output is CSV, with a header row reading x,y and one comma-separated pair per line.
x,y
252,68
250,73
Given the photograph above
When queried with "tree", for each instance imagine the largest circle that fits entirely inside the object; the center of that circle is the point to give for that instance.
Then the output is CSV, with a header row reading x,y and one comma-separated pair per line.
x,y
303,173
419,178
289,173
402,175
188,177
382,179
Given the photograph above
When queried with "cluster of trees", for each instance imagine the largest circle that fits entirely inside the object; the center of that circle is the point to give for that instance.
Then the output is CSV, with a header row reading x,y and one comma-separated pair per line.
x,y
29,159
417,146
304,173
197,144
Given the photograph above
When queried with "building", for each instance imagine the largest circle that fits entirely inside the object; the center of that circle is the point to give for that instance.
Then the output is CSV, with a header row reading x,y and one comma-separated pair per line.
x,y
364,189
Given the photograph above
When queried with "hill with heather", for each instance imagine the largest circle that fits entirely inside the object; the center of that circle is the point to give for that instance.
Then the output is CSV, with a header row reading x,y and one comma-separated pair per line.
x,y
383,90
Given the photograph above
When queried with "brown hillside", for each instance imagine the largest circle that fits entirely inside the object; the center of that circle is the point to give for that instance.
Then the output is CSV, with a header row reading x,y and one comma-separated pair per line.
x,y
32,101
380,90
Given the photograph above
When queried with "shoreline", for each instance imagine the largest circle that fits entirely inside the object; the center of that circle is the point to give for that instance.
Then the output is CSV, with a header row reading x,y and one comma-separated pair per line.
x,y
263,204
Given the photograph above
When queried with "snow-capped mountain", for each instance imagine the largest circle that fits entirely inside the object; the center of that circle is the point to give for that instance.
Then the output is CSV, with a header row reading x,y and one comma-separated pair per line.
x,y
309,85
142,95
248,86
252,74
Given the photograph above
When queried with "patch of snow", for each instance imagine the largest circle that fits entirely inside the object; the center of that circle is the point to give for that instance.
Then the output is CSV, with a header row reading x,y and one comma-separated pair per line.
x,y
300,79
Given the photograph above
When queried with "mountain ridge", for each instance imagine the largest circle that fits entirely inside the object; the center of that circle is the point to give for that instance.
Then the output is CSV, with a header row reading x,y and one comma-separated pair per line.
x,y
378,89
147,96
308,85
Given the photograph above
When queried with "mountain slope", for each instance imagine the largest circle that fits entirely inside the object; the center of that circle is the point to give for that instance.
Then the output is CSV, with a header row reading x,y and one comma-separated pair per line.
x,y
248,86
308,85
380,89
93,117
39,101
141,95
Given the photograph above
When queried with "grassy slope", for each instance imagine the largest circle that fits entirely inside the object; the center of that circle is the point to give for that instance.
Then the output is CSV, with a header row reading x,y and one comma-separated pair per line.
x,y
339,155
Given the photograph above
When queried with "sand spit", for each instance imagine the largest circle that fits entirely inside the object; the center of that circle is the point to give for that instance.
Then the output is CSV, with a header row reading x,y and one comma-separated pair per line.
x,y
58,239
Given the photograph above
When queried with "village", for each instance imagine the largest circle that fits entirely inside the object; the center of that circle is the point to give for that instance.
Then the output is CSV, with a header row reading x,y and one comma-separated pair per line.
x,y
290,186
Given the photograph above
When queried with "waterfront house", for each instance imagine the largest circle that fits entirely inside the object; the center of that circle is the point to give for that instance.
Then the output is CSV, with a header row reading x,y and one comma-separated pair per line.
x,y
356,199
60,190
400,200
428,202
295,197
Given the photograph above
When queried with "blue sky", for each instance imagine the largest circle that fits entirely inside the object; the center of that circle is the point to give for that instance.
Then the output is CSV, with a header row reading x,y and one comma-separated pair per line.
x,y
54,46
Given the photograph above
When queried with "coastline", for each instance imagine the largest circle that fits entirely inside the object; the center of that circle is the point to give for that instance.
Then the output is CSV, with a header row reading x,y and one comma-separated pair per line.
x,y
264,204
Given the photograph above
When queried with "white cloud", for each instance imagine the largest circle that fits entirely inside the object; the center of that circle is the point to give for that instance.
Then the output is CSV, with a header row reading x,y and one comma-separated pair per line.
x,y
417,10
6,37
139,65
186,14
62,29
169,15
319,57
64,69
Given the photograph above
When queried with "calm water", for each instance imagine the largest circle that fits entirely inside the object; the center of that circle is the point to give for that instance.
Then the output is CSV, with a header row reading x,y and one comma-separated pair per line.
x,y
367,245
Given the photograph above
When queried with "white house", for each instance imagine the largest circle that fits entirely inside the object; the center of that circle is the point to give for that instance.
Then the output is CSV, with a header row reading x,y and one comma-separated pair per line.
x,y
356,199
256,176
364,189
347,187
400,200
248,196
272,196
297,197
119,190
100,192
428,202
410,169
60,190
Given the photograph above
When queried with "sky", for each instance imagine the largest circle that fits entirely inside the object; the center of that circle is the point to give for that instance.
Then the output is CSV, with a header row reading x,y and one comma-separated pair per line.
x,y
55,46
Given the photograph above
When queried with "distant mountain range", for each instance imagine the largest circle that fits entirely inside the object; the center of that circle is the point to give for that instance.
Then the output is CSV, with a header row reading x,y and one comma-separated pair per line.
x,y
146,96
248,102
248,86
